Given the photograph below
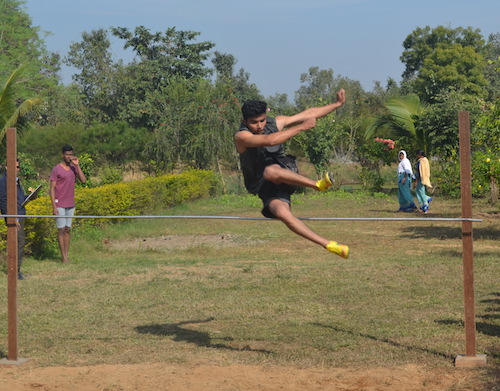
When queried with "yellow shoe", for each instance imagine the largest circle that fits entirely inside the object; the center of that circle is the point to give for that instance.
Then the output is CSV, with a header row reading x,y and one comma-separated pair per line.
x,y
339,249
325,183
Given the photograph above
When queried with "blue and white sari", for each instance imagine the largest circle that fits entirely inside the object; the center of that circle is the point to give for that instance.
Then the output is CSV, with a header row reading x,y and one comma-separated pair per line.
x,y
405,174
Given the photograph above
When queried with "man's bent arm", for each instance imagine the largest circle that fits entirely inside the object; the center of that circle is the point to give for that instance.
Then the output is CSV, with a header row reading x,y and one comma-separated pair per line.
x,y
244,139
80,174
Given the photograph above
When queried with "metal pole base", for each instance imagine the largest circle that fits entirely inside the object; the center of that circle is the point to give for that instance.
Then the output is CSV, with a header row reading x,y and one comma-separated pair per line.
x,y
18,362
463,361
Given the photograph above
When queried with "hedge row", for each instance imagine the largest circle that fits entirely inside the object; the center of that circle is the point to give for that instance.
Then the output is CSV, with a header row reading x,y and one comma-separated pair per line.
x,y
122,199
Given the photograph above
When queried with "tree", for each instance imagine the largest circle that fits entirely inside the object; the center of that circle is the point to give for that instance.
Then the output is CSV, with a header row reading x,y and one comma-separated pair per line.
x,y
239,83
114,142
10,112
280,105
160,58
171,53
320,84
319,143
455,68
423,41
441,59
196,121
401,122
20,44
224,65
316,83
440,121
491,72
372,156
92,57
486,146
486,152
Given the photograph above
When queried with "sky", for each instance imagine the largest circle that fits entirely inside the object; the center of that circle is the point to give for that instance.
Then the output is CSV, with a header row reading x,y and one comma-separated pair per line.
x,y
275,41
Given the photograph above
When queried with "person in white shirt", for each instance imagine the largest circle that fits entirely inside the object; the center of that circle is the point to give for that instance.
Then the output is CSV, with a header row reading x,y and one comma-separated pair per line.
x,y
405,174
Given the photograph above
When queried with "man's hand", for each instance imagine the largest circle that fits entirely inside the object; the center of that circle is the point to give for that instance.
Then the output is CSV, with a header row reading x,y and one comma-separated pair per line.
x,y
341,96
74,160
309,123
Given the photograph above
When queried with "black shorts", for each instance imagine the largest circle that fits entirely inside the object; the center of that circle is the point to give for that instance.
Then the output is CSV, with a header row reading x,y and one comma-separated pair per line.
x,y
271,191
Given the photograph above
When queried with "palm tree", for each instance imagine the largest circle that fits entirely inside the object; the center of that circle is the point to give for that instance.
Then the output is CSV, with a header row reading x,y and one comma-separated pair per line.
x,y
10,112
401,122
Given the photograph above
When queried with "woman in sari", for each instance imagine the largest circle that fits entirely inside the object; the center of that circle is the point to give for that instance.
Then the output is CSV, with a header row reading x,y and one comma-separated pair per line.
x,y
405,173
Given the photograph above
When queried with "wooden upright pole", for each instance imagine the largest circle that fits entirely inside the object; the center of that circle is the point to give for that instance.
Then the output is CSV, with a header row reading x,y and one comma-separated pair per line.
x,y
470,358
12,355
12,241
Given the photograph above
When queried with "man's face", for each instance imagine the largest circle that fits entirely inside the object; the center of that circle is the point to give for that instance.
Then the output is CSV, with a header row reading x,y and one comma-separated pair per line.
x,y
67,157
256,124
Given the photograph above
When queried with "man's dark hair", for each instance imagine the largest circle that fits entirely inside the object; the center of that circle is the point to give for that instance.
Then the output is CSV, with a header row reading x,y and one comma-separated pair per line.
x,y
421,152
252,108
67,148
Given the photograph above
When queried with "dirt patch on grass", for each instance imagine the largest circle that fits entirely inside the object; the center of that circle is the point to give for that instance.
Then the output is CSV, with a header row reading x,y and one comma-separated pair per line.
x,y
178,242
152,377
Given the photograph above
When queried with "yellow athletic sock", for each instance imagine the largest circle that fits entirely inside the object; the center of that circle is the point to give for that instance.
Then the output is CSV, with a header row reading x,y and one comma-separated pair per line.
x,y
339,249
325,183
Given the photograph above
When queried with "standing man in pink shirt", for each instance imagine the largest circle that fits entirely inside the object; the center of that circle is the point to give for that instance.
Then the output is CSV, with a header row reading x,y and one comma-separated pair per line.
x,y
62,194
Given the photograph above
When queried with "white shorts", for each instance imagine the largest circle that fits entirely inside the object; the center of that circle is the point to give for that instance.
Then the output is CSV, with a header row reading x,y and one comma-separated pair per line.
x,y
65,221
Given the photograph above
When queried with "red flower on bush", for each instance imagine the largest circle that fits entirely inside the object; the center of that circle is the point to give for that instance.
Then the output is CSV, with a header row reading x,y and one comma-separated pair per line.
x,y
389,143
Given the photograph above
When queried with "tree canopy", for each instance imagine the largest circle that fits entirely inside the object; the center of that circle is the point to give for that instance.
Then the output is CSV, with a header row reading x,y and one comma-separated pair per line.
x,y
443,58
22,45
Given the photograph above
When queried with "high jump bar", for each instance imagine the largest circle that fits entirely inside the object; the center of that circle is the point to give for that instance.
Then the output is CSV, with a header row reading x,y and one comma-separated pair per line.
x,y
458,219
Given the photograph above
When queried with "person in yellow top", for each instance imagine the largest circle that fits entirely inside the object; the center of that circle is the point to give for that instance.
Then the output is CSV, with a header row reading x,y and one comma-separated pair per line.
x,y
422,181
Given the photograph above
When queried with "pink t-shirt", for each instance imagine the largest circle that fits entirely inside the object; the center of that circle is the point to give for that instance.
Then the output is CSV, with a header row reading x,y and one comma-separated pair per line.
x,y
65,186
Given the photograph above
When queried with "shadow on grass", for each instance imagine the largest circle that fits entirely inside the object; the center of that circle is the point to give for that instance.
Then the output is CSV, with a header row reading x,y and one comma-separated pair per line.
x,y
486,326
387,341
488,315
481,327
426,232
199,338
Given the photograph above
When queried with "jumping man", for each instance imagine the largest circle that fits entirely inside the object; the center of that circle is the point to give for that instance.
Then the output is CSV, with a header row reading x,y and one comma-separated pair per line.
x,y
270,173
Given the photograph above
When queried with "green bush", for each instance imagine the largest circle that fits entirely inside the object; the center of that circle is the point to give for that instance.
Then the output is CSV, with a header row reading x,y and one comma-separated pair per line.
x,y
446,176
485,174
373,155
122,199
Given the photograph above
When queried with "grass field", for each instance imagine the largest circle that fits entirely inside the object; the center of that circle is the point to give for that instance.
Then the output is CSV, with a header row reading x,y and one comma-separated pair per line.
x,y
233,291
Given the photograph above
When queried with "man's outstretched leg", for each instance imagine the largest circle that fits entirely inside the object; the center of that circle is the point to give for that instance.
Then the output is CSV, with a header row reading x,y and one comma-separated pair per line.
x,y
281,210
279,175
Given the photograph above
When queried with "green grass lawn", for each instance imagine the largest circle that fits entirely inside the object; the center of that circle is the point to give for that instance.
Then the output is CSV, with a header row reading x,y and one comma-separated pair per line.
x,y
243,291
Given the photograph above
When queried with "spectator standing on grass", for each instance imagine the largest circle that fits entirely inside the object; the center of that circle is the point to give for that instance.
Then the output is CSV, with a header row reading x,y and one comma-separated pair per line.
x,y
422,181
21,210
405,174
62,195
272,174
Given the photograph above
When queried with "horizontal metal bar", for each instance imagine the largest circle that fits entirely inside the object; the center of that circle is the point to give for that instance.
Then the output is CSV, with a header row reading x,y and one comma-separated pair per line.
x,y
458,219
